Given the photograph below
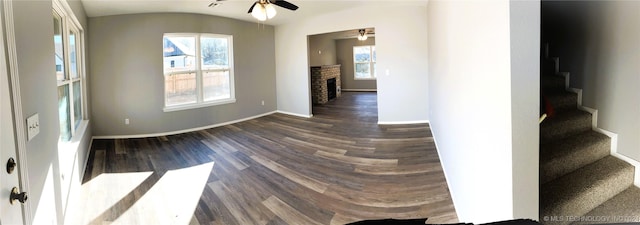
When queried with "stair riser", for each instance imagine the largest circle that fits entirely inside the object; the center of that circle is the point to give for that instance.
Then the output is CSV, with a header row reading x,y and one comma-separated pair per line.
x,y
577,158
552,84
564,102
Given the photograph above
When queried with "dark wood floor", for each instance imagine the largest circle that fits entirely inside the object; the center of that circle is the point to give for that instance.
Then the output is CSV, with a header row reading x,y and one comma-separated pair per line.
x,y
338,167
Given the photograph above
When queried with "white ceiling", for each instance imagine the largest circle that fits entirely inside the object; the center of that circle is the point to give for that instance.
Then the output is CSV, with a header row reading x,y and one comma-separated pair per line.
x,y
236,9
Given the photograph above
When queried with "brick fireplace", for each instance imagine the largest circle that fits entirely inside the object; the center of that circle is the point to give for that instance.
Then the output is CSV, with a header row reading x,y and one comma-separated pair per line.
x,y
321,85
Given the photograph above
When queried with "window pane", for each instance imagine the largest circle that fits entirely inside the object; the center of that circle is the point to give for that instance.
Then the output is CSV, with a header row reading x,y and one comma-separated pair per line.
x,y
64,113
216,85
373,51
180,89
59,47
215,52
375,71
362,54
77,104
362,70
73,67
179,54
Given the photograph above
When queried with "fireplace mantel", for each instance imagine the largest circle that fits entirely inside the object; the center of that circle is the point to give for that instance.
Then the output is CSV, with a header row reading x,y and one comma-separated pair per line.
x,y
319,77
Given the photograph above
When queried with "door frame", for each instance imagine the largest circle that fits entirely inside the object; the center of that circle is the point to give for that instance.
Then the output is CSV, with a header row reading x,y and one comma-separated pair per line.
x,y
18,116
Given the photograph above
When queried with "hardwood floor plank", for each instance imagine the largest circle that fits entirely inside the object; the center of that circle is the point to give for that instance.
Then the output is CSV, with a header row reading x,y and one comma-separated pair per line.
x,y
305,181
399,170
357,160
286,212
230,203
337,167
314,146
226,156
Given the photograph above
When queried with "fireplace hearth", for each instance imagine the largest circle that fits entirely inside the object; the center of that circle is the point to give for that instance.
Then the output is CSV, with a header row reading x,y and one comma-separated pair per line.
x,y
331,88
325,83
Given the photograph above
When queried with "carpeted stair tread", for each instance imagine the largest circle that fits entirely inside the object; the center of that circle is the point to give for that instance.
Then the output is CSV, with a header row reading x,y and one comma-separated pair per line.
x,y
622,208
581,191
564,124
566,155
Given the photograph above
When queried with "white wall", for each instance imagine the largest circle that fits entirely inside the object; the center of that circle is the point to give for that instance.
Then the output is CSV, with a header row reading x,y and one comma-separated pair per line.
x,y
401,33
525,106
476,66
598,42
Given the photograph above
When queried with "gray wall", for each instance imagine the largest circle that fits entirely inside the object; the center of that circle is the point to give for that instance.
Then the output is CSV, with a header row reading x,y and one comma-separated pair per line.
x,y
34,45
127,79
322,50
344,49
598,43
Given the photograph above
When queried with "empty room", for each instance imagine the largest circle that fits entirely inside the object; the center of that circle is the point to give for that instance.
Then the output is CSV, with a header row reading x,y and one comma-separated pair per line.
x,y
287,112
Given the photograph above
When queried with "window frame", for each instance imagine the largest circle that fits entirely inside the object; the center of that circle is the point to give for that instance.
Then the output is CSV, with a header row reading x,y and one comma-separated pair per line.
x,y
70,24
199,71
372,63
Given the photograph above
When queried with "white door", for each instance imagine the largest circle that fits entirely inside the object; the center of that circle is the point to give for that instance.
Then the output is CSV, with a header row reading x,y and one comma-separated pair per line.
x,y
9,213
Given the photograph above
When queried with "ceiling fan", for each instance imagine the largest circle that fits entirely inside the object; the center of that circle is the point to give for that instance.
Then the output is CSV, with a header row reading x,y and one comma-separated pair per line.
x,y
360,34
216,3
264,10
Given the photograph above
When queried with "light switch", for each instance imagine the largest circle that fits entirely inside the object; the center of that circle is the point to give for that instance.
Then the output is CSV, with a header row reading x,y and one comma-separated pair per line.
x,y
33,126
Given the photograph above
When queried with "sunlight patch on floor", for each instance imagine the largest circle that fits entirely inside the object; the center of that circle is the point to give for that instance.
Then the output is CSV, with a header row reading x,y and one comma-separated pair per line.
x,y
97,199
172,200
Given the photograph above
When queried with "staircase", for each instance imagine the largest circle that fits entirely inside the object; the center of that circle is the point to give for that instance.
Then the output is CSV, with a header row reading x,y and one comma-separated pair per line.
x,y
580,182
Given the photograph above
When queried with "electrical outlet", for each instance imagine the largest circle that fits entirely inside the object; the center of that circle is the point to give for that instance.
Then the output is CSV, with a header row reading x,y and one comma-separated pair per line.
x,y
262,102
126,121
33,126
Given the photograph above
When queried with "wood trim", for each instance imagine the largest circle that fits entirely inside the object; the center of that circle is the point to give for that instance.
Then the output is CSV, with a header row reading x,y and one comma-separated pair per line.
x,y
181,131
14,81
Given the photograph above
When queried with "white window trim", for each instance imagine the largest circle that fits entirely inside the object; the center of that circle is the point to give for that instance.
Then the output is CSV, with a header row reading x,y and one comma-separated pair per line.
x,y
199,73
371,63
71,23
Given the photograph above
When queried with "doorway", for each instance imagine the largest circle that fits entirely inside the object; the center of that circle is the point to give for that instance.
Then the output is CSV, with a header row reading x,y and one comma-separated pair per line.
x,y
347,56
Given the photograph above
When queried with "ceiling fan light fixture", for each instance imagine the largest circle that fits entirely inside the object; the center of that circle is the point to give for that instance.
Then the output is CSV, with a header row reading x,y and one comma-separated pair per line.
x,y
362,36
259,12
270,10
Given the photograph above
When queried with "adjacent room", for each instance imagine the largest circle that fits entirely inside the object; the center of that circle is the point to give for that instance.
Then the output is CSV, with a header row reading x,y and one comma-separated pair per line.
x,y
342,61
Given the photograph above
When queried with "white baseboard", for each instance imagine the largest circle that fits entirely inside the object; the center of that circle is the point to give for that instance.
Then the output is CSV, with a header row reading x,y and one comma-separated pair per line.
x,y
360,90
636,164
402,122
594,126
181,131
295,114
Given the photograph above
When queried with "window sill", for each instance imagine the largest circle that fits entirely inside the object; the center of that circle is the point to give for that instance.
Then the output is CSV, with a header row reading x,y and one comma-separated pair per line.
x,y
364,78
197,105
74,142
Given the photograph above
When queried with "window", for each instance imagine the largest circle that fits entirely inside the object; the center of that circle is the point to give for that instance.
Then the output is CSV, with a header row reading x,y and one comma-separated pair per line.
x,y
364,62
69,61
198,70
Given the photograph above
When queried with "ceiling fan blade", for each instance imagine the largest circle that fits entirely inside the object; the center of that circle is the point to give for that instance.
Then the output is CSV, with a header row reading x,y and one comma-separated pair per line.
x,y
251,9
285,4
